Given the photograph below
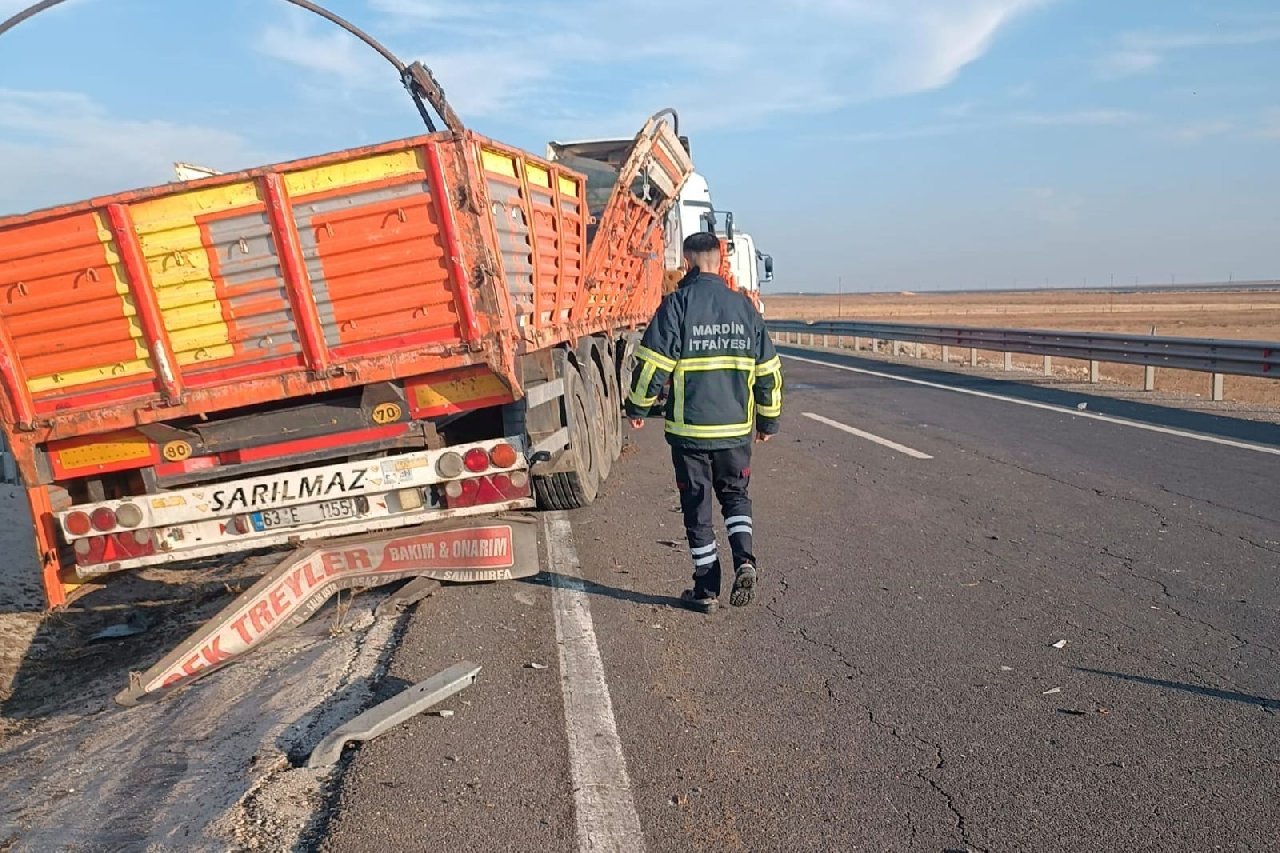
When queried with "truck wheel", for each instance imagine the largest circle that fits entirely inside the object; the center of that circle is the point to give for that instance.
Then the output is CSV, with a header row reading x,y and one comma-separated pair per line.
x,y
577,488
601,431
613,409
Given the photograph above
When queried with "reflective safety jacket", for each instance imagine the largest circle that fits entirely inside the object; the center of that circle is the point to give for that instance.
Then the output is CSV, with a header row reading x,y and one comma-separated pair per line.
x,y
711,344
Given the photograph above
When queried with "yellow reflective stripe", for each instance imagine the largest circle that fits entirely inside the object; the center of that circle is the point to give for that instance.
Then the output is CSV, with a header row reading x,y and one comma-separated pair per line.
x,y
717,362
646,354
693,431
769,366
773,409
643,381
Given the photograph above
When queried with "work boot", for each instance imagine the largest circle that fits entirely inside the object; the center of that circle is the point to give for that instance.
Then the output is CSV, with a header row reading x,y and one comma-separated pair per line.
x,y
699,600
744,585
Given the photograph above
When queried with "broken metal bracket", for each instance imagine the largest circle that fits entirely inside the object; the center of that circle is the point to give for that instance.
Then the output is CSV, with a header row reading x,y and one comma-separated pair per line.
x,y
407,595
385,716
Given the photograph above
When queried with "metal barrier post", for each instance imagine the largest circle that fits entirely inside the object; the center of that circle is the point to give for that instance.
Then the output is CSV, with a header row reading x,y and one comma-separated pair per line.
x,y
1093,372
1216,389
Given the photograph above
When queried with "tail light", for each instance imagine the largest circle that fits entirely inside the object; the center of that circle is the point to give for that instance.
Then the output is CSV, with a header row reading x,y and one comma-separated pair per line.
x,y
129,515
503,456
449,466
78,523
513,485
476,460
103,519
239,525
125,545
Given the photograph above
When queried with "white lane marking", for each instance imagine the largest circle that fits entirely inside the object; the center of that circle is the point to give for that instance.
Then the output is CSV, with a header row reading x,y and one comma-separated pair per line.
x,y
606,810
1075,413
869,436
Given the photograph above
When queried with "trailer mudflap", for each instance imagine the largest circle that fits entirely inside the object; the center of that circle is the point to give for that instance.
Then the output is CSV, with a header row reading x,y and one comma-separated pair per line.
x,y
504,547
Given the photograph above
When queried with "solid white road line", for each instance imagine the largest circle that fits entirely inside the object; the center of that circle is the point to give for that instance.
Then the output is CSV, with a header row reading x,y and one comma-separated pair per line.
x,y
606,811
892,445
1075,413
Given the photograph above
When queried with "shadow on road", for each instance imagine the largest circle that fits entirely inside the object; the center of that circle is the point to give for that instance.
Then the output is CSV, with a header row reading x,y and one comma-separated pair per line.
x,y
1211,692
548,579
1163,416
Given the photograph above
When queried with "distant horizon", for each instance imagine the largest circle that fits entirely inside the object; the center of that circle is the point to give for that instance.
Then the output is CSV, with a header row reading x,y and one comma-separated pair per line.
x,y
1240,285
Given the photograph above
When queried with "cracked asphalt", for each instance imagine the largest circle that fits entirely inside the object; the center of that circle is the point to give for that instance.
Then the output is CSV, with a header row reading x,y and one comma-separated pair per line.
x,y
901,681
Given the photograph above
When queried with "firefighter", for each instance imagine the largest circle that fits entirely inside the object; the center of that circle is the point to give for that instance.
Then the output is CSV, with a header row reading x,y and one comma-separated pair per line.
x,y
711,344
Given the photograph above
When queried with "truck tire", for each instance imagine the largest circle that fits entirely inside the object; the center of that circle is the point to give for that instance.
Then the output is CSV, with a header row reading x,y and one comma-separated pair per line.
x,y
601,432
578,488
613,410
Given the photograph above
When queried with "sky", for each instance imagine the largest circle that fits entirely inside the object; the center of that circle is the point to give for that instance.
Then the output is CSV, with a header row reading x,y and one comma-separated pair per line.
x,y
866,144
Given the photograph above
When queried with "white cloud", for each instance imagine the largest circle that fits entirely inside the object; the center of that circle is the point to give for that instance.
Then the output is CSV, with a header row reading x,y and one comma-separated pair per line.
x,y
1270,126
1199,131
1139,53
62,146
762,61
1078,118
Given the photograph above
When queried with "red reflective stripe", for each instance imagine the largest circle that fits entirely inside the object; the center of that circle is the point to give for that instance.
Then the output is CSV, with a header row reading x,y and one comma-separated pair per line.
x,y
296,280
163,361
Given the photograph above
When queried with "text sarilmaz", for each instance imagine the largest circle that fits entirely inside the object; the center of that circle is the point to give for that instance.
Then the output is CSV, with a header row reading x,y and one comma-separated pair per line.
x,y
270,494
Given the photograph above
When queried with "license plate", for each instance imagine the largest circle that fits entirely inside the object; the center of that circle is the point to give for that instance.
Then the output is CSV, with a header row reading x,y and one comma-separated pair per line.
x,y
292,516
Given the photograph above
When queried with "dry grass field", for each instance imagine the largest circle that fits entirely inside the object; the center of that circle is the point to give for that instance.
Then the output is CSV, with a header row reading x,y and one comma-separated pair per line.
x,y
1251,315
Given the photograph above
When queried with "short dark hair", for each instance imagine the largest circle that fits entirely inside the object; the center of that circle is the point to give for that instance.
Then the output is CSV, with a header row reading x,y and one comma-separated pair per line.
x,y
704,242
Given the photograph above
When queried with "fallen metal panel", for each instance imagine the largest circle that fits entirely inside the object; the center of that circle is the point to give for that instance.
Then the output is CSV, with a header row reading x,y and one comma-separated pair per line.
x,y
491,549
383,717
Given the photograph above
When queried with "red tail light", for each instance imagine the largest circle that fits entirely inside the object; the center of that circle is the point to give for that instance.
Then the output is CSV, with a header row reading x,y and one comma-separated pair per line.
x,y
103,519
78,524
503,456
117,546
476,460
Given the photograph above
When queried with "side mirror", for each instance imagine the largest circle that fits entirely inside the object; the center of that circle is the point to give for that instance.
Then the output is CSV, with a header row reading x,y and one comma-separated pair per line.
x,y
728,228
768,268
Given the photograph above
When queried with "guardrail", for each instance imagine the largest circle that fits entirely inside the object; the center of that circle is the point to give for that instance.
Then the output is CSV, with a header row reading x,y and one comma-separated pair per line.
x,y
1215,356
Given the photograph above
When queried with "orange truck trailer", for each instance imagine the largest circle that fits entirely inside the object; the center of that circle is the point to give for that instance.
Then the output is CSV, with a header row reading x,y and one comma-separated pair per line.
x,y
430,333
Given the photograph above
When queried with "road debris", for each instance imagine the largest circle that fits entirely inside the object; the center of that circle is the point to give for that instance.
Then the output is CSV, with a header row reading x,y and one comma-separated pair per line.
x,y
445,713
1051,690
535,666
1061,644
1082,406
135,625
385,716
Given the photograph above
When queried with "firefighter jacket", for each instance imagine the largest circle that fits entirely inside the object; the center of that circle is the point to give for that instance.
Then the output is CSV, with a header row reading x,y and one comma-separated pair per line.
x,y
711,344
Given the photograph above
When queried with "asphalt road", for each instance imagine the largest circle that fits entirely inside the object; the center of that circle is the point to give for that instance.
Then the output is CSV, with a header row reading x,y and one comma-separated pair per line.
x,y
900,682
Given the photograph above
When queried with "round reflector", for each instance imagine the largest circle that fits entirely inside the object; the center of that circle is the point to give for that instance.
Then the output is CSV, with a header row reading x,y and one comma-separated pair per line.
x,y
503,456
519,479
449,466
453,489
129,515
82,547
477,461
77,524
103,519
